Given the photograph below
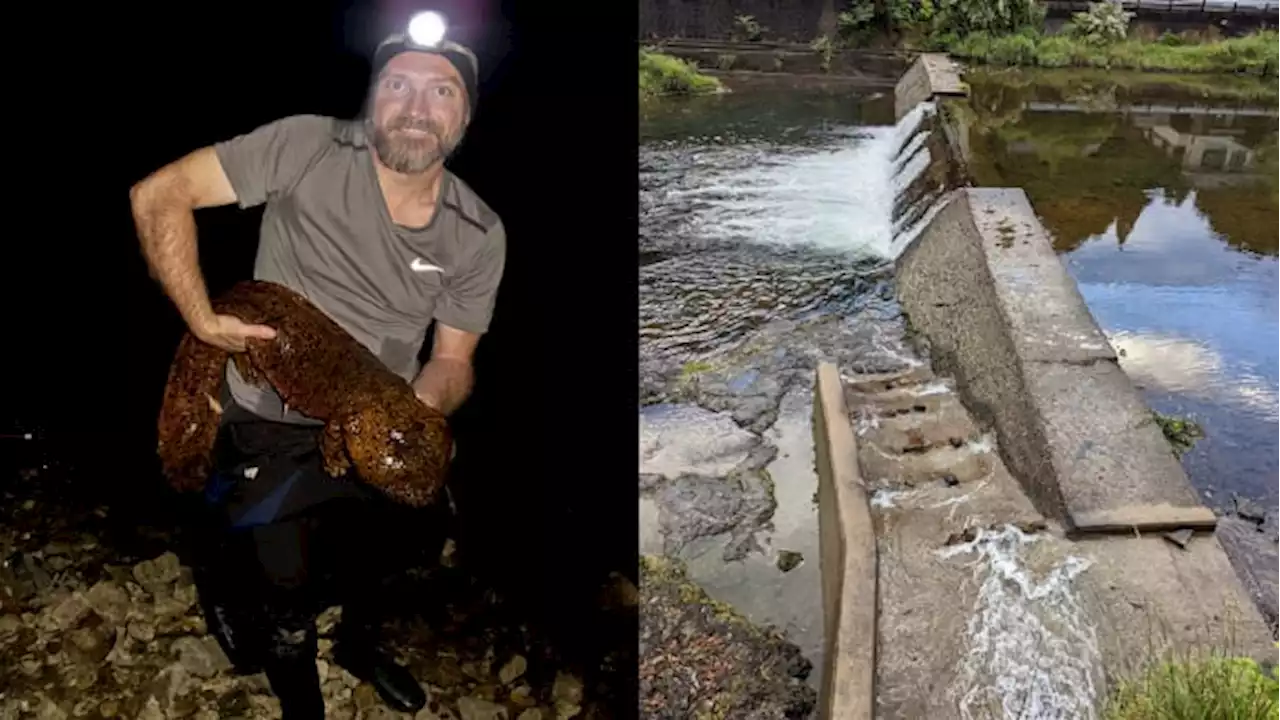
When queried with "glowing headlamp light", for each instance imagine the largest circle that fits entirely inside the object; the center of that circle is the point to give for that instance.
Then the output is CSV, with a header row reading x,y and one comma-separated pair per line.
x,y
427,29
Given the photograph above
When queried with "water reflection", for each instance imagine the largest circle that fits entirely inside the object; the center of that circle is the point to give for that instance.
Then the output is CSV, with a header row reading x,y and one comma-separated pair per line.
x,y
1164,204
1087,156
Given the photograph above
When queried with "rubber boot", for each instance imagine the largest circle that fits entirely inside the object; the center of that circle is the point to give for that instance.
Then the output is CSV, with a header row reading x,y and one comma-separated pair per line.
x,y
290,663
357,650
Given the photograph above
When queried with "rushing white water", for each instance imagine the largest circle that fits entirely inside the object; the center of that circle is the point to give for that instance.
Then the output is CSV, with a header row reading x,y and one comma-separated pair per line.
x,y
912,161
1032,652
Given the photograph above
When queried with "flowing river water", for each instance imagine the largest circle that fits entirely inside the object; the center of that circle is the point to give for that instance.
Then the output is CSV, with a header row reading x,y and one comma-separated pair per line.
x,y
765,223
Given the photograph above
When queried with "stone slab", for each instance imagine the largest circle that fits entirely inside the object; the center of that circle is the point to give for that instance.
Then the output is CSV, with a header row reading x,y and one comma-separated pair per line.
x,y
1047,317
929,76
1113,464
943,74
1152,600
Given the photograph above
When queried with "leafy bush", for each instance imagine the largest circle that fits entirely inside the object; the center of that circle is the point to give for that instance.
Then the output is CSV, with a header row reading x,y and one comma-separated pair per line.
x,y
1171,39
934,25
1103,23
854,24
666,75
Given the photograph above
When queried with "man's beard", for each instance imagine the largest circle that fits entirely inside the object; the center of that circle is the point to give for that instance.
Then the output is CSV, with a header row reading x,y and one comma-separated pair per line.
x,y
407,155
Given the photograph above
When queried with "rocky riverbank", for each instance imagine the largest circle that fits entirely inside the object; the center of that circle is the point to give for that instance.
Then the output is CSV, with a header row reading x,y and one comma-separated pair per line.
x,y
702,659
100,619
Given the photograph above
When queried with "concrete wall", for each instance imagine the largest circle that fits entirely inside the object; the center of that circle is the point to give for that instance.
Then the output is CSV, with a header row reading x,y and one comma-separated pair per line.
x,y
847,551
875,68
983,284
798,20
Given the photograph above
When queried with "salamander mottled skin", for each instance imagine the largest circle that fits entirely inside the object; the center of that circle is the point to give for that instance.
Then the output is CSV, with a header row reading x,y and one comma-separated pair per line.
x,y
373,420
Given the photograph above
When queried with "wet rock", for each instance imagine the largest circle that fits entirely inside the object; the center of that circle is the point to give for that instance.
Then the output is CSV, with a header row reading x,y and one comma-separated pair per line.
x,y
202,657
696,506
1249,510
685,439
26,576
471,708
380,712
435,712
1180,537
93,643
566,689
50,710
157,574
789,560
71,611
512,670
111,637
522,695
10,624
700,658
109,602
1256,558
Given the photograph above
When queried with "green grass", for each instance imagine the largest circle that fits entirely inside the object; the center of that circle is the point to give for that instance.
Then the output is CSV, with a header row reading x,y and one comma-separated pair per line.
x,y
666,75
1254,54
1217,688
1087,81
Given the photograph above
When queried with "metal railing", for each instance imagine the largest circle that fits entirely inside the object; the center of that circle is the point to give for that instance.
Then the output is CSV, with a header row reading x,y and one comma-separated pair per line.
x,y
1175,7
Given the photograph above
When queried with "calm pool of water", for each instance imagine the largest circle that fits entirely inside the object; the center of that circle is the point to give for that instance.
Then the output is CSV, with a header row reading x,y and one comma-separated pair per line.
x,y
1163,203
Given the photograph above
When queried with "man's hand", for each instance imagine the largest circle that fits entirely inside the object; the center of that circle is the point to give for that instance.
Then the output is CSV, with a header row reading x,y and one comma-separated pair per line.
x,y
230,333
445,381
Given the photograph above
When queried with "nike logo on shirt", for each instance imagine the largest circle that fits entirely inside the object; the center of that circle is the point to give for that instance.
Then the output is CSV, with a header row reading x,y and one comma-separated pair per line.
x,y
420,265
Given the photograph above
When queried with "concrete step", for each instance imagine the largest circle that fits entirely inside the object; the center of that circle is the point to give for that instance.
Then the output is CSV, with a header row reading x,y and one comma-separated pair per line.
x,y
938,485
977,593
912,429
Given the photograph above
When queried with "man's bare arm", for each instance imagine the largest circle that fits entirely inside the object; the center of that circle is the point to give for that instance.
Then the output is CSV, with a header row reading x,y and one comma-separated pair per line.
x,y
446,380
164,207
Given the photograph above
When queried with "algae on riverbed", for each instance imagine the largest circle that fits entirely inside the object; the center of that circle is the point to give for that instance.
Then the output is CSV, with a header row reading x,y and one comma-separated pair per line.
x,y
700,658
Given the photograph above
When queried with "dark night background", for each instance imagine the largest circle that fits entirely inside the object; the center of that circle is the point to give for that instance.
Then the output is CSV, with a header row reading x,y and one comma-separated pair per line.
x,y
546,463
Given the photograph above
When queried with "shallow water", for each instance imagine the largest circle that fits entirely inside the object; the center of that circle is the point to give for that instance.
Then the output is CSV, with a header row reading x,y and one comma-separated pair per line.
x,y
764,221
1163,205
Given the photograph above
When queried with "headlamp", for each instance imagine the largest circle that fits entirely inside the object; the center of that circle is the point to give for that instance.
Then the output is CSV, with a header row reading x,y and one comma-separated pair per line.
x,y
426,32
427,29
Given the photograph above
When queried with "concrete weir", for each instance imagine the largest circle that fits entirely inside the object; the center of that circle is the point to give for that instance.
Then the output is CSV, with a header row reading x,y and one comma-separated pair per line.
x,y
994,523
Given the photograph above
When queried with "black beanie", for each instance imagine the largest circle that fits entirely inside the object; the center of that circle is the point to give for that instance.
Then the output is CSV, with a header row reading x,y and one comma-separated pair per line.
x,y
462,59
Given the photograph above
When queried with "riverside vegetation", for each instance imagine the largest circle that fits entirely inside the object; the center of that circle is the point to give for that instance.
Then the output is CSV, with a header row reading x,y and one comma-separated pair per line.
x,y
666,75
1011,33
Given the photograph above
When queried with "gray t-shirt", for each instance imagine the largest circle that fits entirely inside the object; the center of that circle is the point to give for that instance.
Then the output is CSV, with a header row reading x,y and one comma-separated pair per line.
x,y
327,234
